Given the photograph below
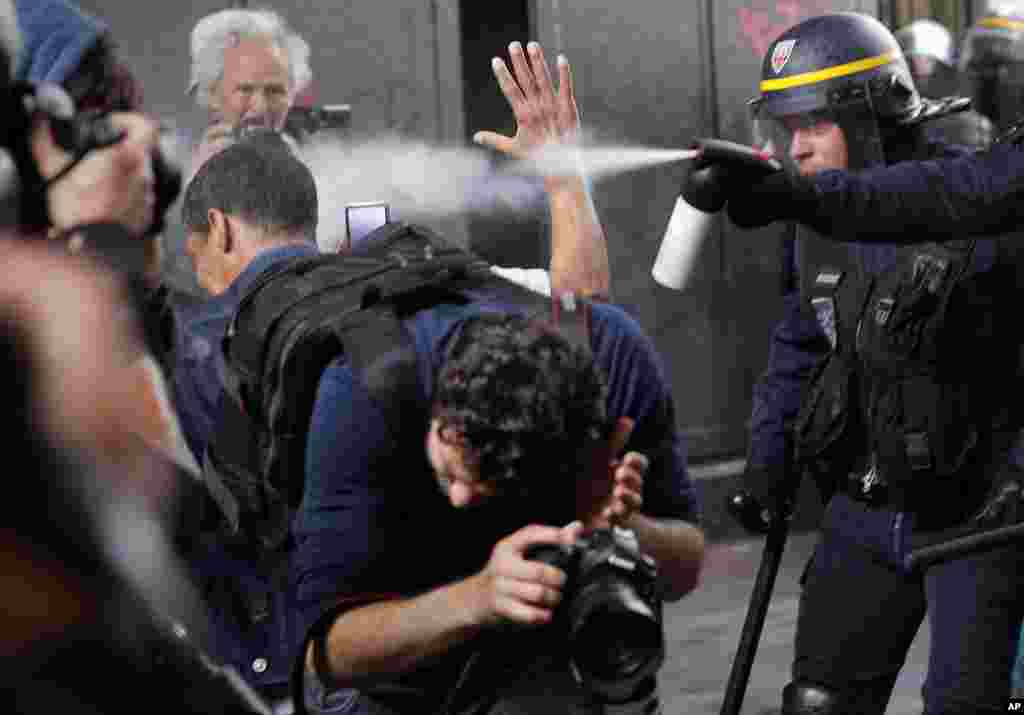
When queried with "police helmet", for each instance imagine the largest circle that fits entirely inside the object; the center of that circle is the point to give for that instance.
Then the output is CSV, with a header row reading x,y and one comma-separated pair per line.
x,y
834,62
927,38
992,62
996,38
846,68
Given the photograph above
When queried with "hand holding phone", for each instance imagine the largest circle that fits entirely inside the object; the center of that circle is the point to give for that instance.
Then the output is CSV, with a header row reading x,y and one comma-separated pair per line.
x,y
362,219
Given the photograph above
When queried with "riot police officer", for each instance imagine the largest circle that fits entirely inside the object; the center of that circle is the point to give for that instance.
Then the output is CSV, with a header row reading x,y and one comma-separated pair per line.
x,y
929,49
992,61
886,381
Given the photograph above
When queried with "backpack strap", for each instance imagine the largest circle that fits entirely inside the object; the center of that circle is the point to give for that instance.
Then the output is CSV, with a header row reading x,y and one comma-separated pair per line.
x,y
301,314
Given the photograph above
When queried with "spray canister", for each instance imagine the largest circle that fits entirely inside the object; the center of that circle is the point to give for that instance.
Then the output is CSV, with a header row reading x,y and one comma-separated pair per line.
x,y
703,195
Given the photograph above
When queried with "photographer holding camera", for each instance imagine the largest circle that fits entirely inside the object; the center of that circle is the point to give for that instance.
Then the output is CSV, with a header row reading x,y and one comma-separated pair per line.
x,y
413,557
433,542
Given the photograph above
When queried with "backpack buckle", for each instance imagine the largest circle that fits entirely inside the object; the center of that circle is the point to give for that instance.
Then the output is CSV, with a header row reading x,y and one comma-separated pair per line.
x,y
825,311
883,310
931,271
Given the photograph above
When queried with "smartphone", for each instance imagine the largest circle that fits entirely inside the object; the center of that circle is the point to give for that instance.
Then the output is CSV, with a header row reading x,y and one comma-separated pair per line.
x,y
364,218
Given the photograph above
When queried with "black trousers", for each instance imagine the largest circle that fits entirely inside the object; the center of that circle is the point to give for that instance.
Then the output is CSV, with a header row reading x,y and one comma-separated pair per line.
x,y
860,610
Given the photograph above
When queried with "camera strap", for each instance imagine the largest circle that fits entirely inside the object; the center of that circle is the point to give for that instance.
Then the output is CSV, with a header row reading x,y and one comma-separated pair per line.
x,y
479,708
76,159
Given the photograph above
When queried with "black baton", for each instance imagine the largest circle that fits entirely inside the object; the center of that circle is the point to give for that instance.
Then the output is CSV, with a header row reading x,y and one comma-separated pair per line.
x,y
749,513
967,544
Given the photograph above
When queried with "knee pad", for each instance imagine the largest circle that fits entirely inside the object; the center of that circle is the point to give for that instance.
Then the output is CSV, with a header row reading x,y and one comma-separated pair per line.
x,y
803,698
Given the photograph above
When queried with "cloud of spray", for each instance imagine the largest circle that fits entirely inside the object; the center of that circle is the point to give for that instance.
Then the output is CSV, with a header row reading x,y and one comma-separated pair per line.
x,y
425,181
416,179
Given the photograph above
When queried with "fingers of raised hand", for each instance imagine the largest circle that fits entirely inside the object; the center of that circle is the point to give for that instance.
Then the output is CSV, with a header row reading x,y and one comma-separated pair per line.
x,y
627,494
624,503
509,87
636,462
524,72
542,75
568,112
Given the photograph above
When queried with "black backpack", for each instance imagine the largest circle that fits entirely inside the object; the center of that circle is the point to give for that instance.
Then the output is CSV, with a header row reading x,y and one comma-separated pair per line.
x,y
301,315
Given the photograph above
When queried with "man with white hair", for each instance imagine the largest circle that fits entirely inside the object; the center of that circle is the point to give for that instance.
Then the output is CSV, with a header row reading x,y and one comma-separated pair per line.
x,y
247,67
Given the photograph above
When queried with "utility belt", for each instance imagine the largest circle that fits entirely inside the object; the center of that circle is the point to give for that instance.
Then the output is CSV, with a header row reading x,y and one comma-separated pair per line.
x,y
894,409
875,486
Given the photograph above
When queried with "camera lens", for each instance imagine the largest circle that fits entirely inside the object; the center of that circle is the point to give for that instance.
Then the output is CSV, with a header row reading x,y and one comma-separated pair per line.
x,y
616,639
613,646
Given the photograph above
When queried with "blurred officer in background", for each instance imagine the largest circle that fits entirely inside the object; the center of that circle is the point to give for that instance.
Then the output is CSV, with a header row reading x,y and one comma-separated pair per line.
x,y
992,62
929,49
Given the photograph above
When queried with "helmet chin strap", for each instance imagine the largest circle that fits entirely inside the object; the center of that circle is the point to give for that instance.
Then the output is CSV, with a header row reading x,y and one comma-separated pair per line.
x,y
859,122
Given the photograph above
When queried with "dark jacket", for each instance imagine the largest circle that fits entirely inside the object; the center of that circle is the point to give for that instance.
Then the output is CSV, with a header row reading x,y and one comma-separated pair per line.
x,y
798,343
942,198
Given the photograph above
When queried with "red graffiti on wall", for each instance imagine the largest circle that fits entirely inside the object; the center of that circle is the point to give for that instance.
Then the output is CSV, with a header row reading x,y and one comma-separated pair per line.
x,y
761,21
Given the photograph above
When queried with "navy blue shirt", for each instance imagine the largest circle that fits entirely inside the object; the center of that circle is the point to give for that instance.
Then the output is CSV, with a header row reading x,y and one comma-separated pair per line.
x,y
262,651
196,379
373,523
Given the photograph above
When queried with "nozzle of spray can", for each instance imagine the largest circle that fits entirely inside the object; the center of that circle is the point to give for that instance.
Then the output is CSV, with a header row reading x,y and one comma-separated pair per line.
x,y
715,170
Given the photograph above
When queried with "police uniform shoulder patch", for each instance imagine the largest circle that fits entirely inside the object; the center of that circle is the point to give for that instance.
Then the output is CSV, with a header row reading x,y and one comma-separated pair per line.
x,y
781,54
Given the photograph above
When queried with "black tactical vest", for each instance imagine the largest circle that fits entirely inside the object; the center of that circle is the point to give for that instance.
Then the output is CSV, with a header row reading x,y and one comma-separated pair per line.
x,y
907,398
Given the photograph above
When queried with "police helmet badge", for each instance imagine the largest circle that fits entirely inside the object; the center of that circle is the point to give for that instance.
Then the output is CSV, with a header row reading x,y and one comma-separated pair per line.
x,y
781,54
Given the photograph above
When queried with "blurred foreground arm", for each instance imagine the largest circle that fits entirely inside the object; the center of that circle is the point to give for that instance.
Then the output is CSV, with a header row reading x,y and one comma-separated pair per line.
x,y
548,121
86,347
111,185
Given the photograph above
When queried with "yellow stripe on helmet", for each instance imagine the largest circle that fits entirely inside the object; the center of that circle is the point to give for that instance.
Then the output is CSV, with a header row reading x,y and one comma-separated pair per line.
x,y
1002,23
799,80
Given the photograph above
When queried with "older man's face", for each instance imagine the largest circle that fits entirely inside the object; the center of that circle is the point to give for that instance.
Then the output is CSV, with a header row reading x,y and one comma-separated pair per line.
x,y
256,87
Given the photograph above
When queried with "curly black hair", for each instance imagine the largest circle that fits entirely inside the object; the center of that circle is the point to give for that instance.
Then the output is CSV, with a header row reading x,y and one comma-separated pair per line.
x,y
523,401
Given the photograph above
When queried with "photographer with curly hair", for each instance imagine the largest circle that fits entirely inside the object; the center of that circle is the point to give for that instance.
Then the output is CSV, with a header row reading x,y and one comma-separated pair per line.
x,y
413,547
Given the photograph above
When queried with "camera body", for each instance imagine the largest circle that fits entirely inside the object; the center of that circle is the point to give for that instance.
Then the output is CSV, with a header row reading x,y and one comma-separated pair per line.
x,y
303,123
611,612
23,189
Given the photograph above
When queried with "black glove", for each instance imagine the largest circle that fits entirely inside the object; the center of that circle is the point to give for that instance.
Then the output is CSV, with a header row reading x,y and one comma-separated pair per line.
x,y
1004,505
721,170
994,524
767,493
706,186
778,196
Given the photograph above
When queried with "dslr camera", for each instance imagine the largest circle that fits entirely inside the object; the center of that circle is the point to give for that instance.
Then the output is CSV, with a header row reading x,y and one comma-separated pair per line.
x,y
610,616
23,189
